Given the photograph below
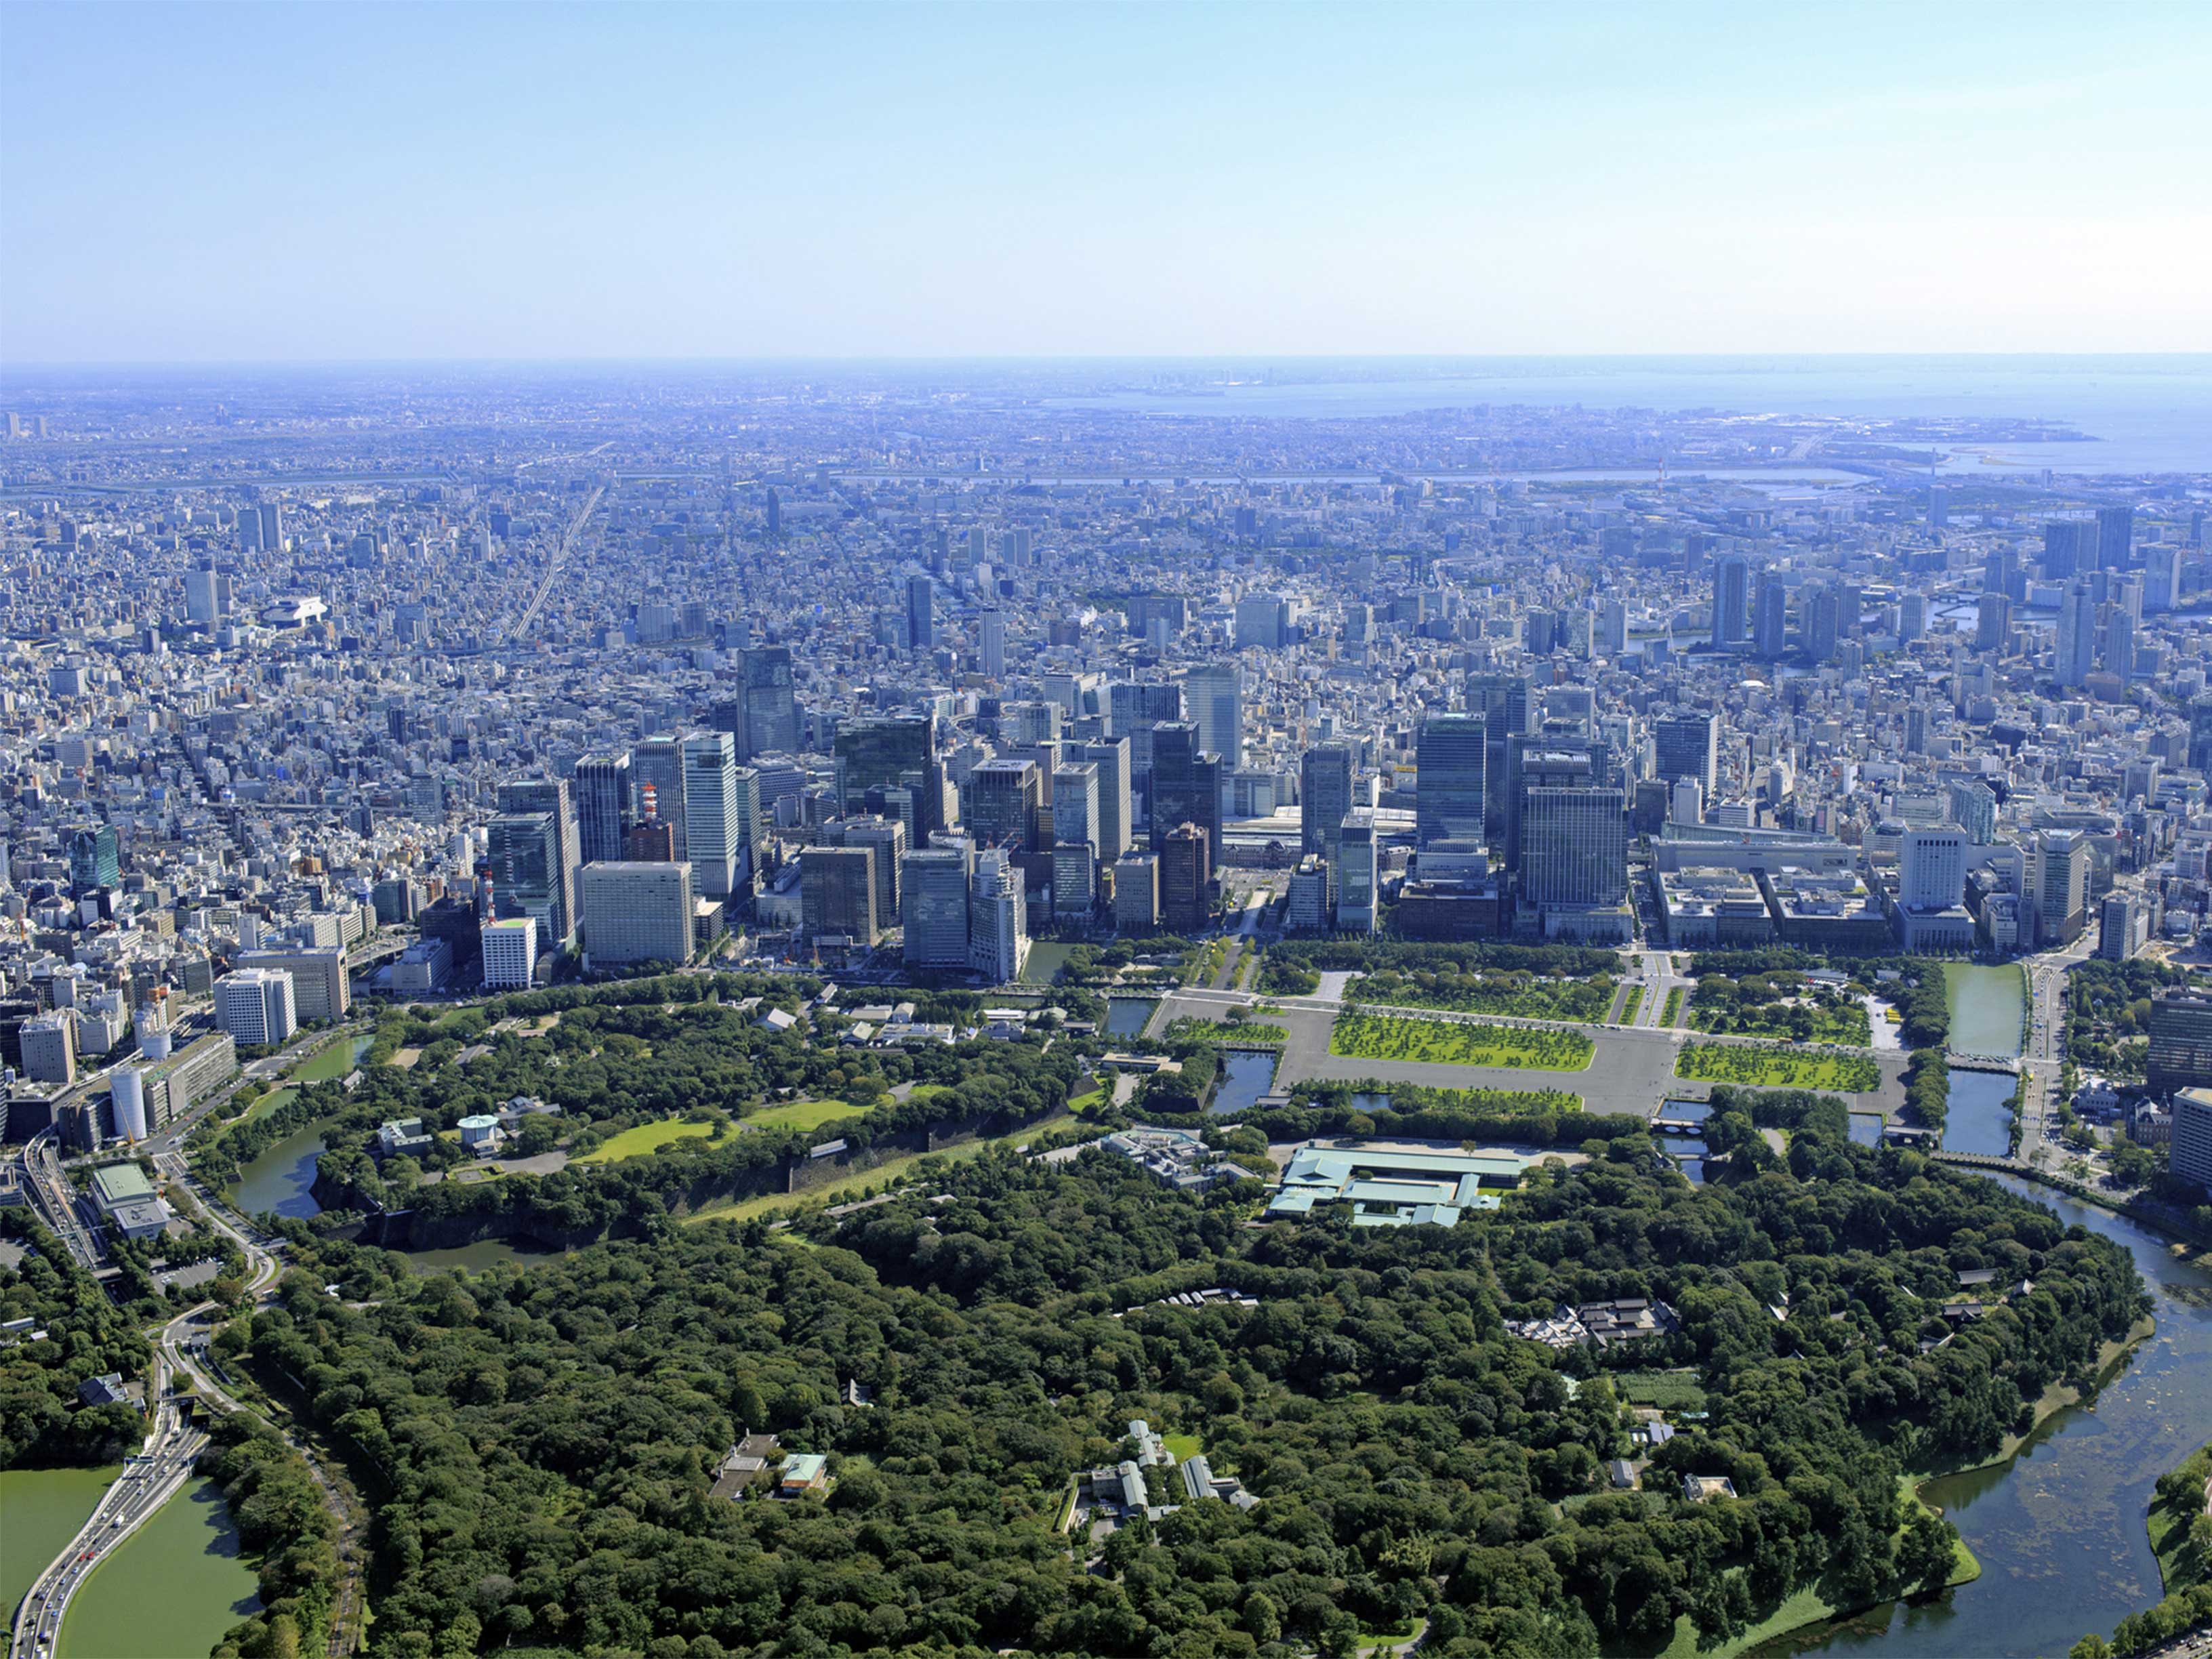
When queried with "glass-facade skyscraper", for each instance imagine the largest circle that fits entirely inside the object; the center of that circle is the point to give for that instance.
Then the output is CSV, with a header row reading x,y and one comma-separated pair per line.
x,y
1451,756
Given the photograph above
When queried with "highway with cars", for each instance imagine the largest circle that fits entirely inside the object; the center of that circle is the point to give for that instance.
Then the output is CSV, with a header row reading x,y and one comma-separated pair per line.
x,y
149,1479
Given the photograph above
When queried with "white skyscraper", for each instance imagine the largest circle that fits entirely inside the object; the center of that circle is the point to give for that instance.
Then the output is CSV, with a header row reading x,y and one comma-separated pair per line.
x,y
714,830
1216,696
991,643
998,919
255,1006
1932,869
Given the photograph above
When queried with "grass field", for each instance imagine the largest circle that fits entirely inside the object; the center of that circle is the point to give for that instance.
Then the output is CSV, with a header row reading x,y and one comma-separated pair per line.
x,y
1671,1011
805,1114
1628,1007
645,1138
1458,1043
1180,1446
1776,1068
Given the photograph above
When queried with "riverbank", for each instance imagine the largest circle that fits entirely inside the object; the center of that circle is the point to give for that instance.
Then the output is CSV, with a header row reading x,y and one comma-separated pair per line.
x,y
1808,1606
2055,1399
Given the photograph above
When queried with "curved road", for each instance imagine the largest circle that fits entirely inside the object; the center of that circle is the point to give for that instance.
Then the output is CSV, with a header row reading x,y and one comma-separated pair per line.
x,y
162,1468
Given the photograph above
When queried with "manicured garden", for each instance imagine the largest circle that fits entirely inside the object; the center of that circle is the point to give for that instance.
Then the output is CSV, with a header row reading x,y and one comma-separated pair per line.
x,y
1766,1066
1520,995
1783,1004
1361,1036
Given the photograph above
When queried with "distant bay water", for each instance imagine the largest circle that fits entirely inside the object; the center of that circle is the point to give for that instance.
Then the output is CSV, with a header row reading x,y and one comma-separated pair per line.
x,y
2148,414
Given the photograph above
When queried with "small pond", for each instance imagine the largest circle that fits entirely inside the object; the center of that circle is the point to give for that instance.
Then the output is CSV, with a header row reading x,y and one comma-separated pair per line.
x,y
1128,1016
1246,1074
1866,1128
1976,1118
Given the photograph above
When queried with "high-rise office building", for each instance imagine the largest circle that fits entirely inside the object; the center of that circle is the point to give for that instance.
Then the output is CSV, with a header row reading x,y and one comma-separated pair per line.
x,y
886,837
606,805
1507,704
998,919
1688,746
656,764
1824,621
1731,600
1770,622
1137,891
1263,620
1612,629
714,832
1216,694
2180,1040
510,954
933,892
1186,784
95,858
771,724
1974,809
2074,645
1912,618
1002,798
1075,836
2189,1154
550,797
991,643
207,596
1931,869
635,912
1185,868
1358,898
1450,753
1574,848
525,880
875,754
1992,622
1324,797
837,892
2116,538
2069,548
1111,757
2058,880
1134,708
920,612
255,1006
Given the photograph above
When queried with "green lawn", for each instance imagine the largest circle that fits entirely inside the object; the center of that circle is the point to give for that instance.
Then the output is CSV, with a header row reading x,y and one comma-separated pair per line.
x,y
1630,1005
645,1138
1523,996
1777,1068
1359,1035
1673,1010
1180,1446
805,1114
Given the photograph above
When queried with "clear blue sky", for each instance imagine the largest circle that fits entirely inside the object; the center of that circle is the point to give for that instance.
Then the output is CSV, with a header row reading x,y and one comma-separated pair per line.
x,y
192,183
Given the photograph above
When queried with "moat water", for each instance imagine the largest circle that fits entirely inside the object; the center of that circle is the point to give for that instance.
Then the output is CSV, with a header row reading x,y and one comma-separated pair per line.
x,y
2059,1528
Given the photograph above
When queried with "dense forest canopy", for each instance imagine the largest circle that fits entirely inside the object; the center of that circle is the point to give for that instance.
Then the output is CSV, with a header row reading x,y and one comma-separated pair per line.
x,y
544,1441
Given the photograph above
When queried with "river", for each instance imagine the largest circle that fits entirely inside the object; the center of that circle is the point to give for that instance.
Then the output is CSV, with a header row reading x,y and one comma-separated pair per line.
x,y
173,1587
2059,1530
